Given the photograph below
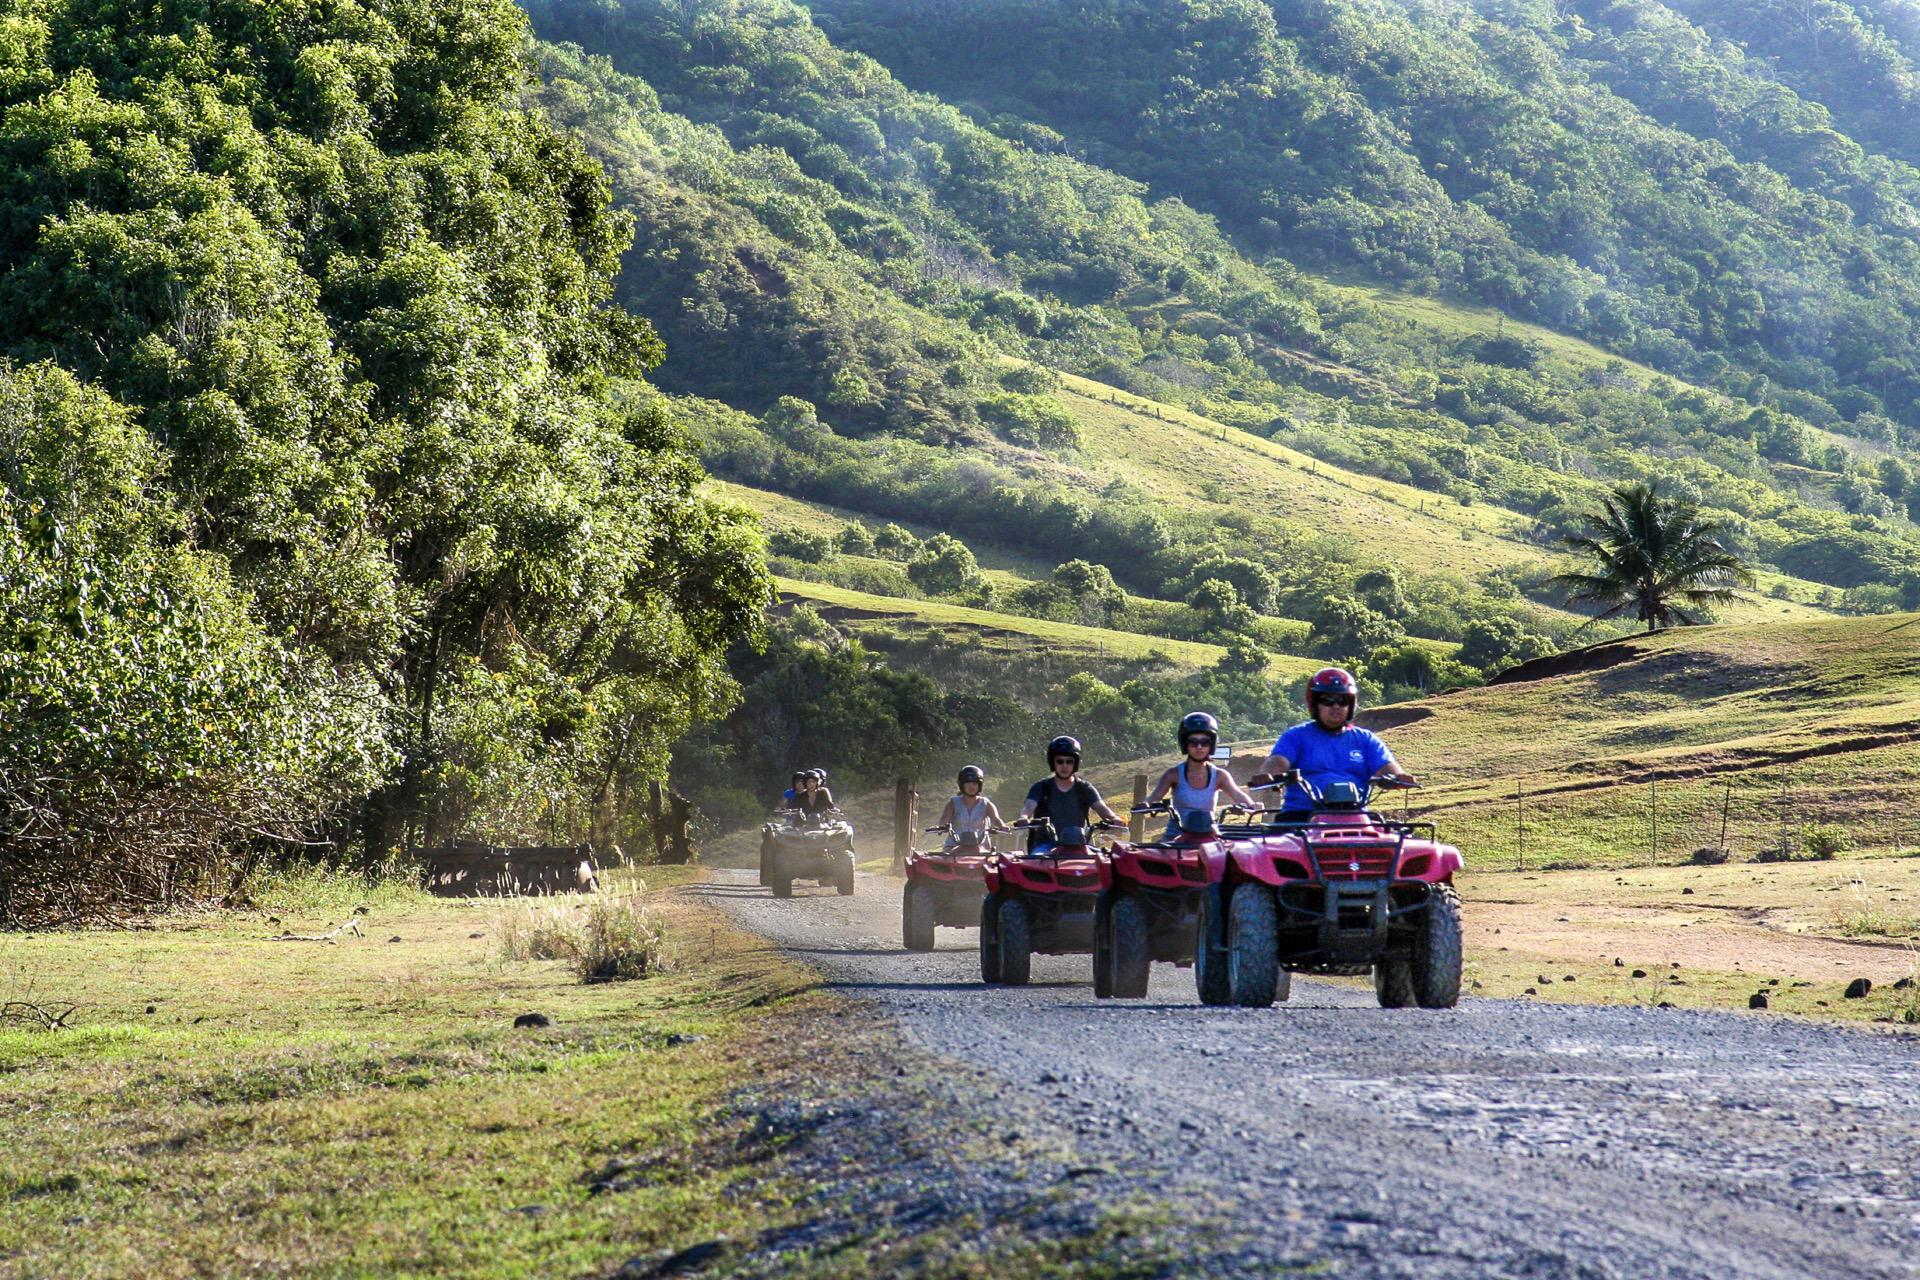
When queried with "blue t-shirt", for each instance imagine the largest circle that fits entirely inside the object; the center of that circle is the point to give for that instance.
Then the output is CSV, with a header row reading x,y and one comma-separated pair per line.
x,y
1352,755
790,795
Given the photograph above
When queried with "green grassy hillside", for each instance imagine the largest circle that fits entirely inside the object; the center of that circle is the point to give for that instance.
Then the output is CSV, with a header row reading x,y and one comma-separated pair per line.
x,y
1063,643
1816,724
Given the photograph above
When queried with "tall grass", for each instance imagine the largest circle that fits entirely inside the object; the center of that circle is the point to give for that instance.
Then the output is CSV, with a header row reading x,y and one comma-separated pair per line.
x,y
610,939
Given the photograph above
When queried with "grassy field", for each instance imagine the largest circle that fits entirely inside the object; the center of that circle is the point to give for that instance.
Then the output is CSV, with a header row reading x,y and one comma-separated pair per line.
x,y
229,1105
1634,751
222,1105
1704,937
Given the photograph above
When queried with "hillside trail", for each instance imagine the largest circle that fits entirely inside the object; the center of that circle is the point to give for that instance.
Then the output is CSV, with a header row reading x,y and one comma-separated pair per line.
x,y
1500,1139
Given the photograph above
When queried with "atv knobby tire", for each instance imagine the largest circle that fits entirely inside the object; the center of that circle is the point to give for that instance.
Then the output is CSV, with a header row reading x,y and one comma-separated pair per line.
x,y
916,918
1209,952
843,879
1016,944
1129,949
1436,957
1103,950
780,877
766,856
1393,983
990,939
1253,947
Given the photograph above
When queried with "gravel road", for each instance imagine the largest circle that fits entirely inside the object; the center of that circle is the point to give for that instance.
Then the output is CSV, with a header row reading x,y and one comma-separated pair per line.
x,y
1499,1139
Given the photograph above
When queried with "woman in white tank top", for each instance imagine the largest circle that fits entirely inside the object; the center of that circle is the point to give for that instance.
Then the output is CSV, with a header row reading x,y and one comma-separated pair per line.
x,y
971,811
1196,783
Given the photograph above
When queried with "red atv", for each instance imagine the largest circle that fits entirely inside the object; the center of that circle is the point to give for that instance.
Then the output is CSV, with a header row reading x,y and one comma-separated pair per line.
x,y
944,887
1343,892
1039,902
1151,899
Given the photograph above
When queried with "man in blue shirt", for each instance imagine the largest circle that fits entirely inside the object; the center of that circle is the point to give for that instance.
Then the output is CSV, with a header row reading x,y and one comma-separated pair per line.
x,y
1328,747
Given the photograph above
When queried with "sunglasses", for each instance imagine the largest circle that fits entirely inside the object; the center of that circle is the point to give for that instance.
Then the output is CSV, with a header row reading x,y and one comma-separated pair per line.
x,y
1341,701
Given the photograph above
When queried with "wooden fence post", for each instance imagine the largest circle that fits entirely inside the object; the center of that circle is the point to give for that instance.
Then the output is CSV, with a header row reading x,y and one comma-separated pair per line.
x,y
1726,807
1137,823
904,821
679,819
656,821
1653,840
1520,819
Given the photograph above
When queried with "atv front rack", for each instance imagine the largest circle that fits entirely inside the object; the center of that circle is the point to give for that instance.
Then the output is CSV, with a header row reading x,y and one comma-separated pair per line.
x,y
1254,830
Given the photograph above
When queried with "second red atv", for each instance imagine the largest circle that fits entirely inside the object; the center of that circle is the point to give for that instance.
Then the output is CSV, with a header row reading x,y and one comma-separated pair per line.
x,y
944,887
1042,901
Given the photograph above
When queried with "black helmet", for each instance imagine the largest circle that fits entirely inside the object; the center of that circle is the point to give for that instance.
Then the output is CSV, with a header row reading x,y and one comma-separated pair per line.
x,y
972,773
819,773
813,775
1063,746
799,775
1197,723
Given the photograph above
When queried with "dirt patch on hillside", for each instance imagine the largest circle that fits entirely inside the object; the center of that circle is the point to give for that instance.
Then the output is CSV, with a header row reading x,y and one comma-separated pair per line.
x,y
1392,717
1595,657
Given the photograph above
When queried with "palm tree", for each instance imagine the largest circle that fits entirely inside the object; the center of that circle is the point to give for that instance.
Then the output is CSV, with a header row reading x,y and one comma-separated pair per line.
x,y
1652,555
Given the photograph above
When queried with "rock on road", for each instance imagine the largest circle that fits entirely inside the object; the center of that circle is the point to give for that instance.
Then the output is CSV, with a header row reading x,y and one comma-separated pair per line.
x,y
1502,1138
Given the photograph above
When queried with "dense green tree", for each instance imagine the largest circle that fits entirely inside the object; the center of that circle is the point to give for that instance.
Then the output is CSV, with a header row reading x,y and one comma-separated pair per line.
x,y
358,296
944,566
1347,631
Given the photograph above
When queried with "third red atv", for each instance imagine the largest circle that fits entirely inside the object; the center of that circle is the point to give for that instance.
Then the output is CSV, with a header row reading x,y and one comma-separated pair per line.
x,y
1039,902
1151,899
944,887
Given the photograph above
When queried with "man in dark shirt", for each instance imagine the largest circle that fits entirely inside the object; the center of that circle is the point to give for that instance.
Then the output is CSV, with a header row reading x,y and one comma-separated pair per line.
x,y
1065,799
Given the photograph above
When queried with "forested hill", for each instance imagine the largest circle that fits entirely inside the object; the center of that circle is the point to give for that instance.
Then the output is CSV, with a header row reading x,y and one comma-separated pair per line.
x,y
1183,201
1605,166
1481,263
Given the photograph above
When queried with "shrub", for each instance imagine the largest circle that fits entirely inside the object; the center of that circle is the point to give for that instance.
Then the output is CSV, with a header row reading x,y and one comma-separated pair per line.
x,y
801,544
1823,840
620,941
944,566
895,542
854,540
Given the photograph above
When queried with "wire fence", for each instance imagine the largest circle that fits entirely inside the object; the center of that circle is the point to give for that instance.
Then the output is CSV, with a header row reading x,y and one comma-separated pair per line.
x,y
1765,818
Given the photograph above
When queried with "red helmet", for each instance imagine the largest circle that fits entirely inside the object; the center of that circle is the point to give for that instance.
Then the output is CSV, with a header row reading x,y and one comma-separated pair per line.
x,y
1333,682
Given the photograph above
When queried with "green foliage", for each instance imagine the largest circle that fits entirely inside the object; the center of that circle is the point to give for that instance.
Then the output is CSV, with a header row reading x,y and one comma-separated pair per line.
x,y
1824,840
1346,631
895,542
358,296
1493,644
802,544
1032,420
944,566
854,540
152,724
